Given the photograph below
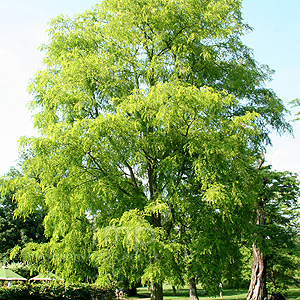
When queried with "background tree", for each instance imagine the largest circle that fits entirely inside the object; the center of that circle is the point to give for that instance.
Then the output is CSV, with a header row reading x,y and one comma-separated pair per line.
x,y
143,103
275,233
296,103
17,231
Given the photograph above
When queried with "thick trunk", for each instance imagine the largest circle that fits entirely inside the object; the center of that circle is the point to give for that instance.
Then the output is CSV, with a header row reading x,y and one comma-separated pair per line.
x,y
193,289
156,291
192,281
258,284
257,288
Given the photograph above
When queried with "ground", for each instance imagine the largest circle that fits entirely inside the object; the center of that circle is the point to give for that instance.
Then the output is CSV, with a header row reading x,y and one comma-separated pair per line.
x,y
183,294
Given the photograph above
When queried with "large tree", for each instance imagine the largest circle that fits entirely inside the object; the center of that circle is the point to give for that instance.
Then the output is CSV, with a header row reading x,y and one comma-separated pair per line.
x,y
153,109
275,232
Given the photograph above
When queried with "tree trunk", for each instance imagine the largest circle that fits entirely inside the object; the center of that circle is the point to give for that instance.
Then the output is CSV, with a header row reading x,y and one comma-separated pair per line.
x,y
174,290
258,284
193,289
132,291
156,291
192,281
257,288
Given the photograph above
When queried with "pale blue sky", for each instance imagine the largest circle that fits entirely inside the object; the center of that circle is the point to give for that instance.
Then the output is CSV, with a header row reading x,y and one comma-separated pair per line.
x,y
275,41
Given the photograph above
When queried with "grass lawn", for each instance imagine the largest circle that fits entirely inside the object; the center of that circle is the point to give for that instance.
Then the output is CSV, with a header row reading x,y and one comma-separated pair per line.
x,y
183,294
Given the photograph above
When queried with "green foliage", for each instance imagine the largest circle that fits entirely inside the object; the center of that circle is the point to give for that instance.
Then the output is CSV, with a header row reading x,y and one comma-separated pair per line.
x,y
296,103
16,232
152,116
283,230
278,194
131,248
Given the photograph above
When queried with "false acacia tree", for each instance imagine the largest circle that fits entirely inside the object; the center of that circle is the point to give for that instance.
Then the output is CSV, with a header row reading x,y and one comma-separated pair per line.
x,y
149,108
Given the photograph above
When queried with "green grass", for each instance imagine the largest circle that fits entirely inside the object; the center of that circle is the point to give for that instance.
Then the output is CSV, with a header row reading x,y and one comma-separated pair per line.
x,y
183,294
293,294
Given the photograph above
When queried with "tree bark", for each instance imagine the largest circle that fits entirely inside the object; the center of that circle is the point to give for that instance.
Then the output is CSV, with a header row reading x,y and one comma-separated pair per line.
x,y
156,291
258,285
192,280
193,289
174,290
257,288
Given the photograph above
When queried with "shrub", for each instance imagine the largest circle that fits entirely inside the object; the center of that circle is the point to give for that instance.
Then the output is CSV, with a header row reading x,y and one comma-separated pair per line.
x,y
56,291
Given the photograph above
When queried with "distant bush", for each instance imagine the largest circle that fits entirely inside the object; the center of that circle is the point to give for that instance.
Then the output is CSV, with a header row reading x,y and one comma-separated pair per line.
x,y
22,269
56,292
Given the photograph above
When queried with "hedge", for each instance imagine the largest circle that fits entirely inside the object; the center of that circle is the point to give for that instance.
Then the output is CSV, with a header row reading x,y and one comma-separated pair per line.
x,y
56,291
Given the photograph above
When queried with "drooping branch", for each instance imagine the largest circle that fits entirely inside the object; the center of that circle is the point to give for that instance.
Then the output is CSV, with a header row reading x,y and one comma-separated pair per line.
x,y
106,174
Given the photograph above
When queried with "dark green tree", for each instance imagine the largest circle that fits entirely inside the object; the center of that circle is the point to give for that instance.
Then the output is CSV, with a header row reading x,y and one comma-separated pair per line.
x,y
275,232
17,231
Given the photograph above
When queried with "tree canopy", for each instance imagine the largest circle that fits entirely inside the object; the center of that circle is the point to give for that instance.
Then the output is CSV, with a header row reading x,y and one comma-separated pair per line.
x,y
152,116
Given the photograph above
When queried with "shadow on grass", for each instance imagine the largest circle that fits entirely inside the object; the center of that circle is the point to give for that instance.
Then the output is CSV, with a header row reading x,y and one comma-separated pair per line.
x,y
183,294
232,294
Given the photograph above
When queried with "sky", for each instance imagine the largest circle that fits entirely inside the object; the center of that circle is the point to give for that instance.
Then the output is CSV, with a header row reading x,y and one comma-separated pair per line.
x,y
275,41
